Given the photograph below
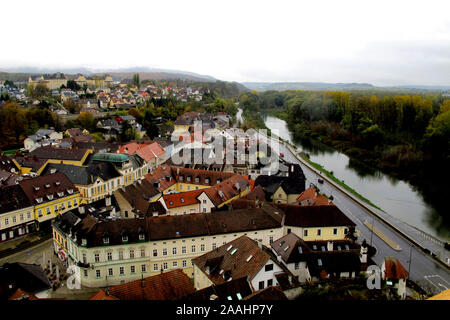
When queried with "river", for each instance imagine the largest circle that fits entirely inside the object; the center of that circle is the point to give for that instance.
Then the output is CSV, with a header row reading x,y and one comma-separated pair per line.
x,y
395,197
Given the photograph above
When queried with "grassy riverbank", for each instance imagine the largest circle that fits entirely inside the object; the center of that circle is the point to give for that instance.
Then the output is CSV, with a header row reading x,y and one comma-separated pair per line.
x,y
339,182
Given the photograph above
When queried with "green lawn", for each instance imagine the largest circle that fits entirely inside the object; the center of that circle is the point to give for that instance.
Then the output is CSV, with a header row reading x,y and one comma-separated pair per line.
x,y
10,152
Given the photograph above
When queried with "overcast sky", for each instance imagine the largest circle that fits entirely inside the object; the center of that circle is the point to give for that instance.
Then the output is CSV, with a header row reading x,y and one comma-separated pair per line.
x,y
379,42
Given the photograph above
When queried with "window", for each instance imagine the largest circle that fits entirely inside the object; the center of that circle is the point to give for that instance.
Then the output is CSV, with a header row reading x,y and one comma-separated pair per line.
x,y
202,247
155,252
288,230
14,219
268,267
84,258
109,256
214,246
132,269
184,263
319,232
143,268
345,230
261,285
28,215
21,217
110,272
120,255
131,254
155,267
143,252
121,271
97,274
270,239
305,233
164,252
269,282
335,231
296,266
6,221
165,266
124,238
174,250
105,240
175,264
48,210
183,249
40,213
85,273
142,236
193,249
97,257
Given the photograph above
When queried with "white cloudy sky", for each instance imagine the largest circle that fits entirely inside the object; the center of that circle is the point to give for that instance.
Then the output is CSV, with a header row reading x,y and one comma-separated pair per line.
x,y
380,42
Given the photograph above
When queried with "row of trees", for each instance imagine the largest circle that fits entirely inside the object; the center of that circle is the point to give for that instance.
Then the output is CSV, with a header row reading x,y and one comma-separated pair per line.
x,y
18,123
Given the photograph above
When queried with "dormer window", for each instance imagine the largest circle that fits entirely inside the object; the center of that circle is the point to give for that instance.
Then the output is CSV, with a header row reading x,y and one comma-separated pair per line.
x,y
69,191
57,183
206,180
50,197
182,200
221,194
197,179
141,236
188,179
47,186
124,238
39,200
36,188
84,242
181,178
171,202
60,194
105,240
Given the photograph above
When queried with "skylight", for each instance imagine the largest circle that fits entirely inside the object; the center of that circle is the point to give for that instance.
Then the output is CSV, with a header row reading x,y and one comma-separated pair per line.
x,y
286,249
319,262
249,258
239,296
231,246
234,251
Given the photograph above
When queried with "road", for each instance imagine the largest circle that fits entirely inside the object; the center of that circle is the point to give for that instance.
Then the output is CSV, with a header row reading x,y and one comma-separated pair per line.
x,y
424,270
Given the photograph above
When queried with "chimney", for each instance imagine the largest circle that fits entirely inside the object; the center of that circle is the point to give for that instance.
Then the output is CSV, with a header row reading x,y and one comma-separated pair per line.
x,y
330,246
142,282
108,201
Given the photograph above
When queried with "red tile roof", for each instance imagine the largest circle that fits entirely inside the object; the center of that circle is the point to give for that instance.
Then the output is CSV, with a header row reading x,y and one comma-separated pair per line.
x,y
175,200
172,285
227,189
162,176
146,151
394,269
101,295
310,197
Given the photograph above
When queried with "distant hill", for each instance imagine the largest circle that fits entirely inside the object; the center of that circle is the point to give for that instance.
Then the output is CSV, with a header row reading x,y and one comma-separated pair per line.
x,y
145,73
280,86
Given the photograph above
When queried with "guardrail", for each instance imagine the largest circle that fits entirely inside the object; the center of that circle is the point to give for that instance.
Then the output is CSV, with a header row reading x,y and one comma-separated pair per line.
x,y
363,205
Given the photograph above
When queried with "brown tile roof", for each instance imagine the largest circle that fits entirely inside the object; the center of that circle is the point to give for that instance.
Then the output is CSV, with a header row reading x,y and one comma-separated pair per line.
x,y
256,194
227,189
138,196
58,153
312,198
13,198
6,163
314,216
182,199
161,177
83,138
201,177
223,291
394,269
55,186
172,285
147,151
232,260
267,294
30,162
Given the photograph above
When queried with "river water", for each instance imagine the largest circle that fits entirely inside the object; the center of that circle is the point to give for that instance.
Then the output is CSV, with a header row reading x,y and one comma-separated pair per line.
x,y
395,197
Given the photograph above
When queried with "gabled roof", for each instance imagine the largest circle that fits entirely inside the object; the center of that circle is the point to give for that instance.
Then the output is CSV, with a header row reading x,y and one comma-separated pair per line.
x,y
102,295
227,189
269,293
394,269
172,285
238,258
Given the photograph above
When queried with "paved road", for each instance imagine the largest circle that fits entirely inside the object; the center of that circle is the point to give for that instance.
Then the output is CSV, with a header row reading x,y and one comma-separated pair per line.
x,y
424,270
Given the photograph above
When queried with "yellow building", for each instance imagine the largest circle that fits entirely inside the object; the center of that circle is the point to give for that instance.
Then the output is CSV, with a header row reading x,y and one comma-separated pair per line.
x,y
51,195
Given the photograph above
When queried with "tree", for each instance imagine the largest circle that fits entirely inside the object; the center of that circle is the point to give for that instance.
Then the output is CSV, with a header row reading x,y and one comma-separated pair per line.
x,y
86,121
136,80
40,90
73,85
149,125
127,132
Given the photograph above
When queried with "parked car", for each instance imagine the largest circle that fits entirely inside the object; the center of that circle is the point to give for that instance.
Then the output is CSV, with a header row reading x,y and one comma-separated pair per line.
x,y
320,180
282,154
